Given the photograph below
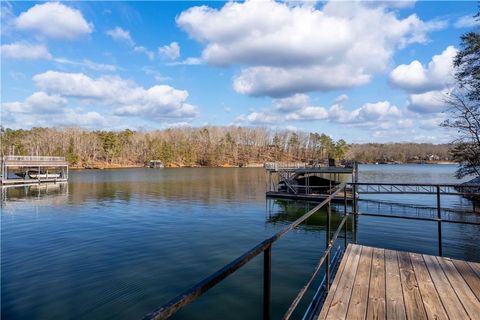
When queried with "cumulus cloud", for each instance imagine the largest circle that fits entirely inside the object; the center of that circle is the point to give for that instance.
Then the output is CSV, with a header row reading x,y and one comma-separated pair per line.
x,y
118,34
366,114
39,102
42,109
415,77
54,20
299,108
289,48
428,85
170,52
428,102
127,99
19,50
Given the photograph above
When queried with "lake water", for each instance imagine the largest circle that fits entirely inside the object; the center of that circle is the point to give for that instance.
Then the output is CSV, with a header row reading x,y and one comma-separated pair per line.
x,y
115,244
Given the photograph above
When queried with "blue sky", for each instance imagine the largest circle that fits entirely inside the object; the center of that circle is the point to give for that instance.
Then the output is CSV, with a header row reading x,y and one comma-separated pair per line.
x,y
361,71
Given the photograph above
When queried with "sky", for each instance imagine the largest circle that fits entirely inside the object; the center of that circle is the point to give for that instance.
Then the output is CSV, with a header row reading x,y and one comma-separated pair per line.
x,y
359,71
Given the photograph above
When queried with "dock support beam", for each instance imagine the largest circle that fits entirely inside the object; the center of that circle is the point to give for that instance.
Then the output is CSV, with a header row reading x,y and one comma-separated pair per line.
x,y
439,227
267,282
329,213
345,213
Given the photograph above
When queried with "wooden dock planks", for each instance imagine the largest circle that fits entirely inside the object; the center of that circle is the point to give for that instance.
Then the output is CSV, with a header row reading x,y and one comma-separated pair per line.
x,y
375,283
394,294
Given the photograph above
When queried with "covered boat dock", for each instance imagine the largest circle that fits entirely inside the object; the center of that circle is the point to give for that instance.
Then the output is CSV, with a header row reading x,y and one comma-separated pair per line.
x,y
25,170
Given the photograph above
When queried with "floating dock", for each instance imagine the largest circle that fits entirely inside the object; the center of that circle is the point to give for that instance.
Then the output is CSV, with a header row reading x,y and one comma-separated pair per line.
x,y
376,283
28,170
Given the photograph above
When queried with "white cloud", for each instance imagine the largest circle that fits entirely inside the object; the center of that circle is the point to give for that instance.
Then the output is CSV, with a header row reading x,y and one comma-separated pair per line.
x,y
292,103
54,20
39,102
436,75
299,108
341,98
191,61
127,99
118,34
155,74
366,114
428,85
259,118
467,22
19,50
87,64
289,48
432,123
121,35
171,51
42,109
428,102
144,50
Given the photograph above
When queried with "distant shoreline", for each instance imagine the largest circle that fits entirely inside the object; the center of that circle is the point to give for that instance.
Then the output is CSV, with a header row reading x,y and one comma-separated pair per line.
x,y
102,166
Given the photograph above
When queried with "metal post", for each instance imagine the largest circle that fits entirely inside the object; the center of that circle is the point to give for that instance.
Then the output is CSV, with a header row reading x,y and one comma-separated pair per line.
x,y
345,213
329,212
439,227
354,211
267,281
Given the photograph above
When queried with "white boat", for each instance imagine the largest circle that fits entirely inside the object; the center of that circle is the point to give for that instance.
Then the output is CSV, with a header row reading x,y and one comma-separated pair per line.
x,y
42,175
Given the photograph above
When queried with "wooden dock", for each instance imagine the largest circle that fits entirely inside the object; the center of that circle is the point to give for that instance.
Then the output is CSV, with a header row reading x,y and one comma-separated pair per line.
x,y
44,169
375,283
340,198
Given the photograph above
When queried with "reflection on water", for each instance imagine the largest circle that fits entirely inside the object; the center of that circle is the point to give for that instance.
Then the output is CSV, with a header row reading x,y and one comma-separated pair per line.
x,y
115,244
52,194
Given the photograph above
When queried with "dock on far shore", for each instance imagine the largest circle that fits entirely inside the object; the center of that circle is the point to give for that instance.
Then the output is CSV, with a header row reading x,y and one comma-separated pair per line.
x,y
28,170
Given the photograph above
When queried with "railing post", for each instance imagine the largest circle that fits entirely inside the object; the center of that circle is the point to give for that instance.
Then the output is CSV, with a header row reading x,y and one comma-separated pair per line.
x,y
439,227
345,213
354,211
267,281
329,212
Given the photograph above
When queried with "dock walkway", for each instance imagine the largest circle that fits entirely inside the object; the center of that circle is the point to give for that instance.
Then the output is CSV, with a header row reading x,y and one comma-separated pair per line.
x,y
375,283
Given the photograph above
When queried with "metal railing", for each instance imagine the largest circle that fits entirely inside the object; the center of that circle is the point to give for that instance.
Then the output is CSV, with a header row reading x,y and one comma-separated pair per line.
x,y
265,246
32,158
416,188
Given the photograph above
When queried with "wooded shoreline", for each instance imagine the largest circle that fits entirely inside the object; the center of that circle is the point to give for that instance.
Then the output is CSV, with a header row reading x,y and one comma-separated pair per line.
x,y
206,147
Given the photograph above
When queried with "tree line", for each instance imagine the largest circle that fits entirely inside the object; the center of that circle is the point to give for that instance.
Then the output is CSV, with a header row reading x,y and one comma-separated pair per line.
x,y
205,146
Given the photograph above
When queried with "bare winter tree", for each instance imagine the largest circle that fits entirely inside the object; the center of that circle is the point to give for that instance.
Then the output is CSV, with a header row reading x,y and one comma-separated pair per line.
x,y
464,105
465,118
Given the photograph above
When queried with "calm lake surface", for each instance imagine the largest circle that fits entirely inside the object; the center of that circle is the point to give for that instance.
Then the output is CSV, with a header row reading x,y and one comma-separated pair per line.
x,y
116,244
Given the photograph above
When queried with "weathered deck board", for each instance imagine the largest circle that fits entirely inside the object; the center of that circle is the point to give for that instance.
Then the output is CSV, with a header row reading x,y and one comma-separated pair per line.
x,y
471,278
376,293
334,286
431,300
394,294
357,309
413,300
466,296
449,299
386,284
339,306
